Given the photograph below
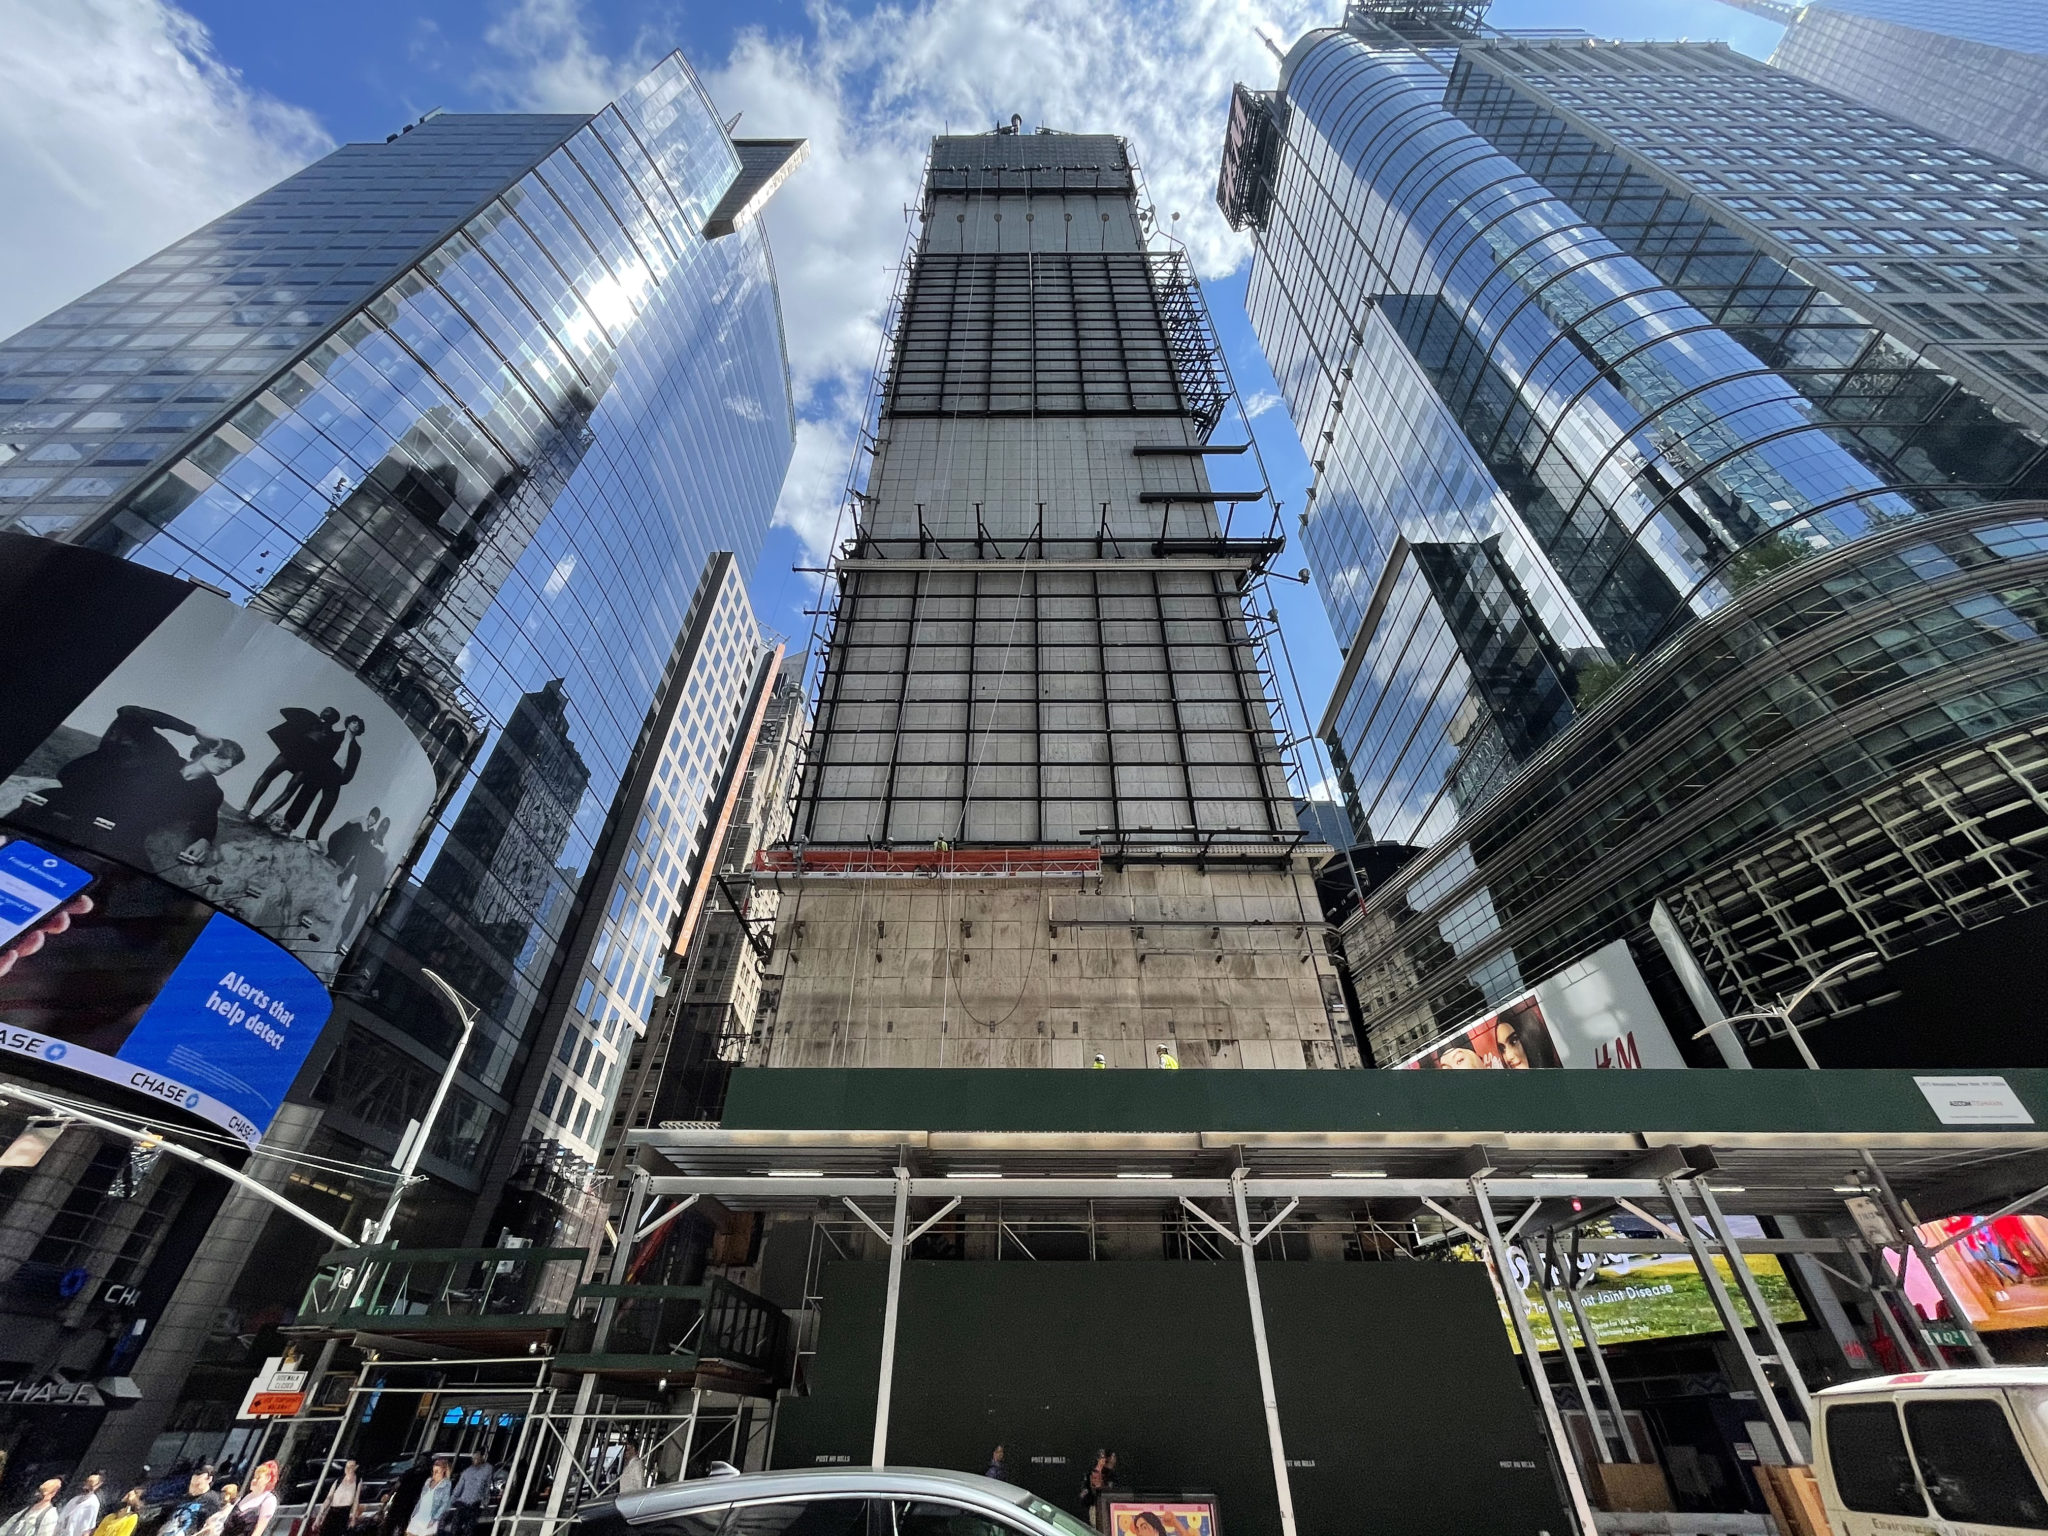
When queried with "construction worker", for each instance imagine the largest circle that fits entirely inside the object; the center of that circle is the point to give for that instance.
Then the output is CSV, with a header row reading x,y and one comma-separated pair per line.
x,y
1168,1062
1099,1063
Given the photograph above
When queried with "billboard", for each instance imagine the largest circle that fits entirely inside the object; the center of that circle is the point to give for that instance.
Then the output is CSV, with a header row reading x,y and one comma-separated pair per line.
x,y
1998,1271
110,972
1162,1517
1633,1296
1594,1013
165,727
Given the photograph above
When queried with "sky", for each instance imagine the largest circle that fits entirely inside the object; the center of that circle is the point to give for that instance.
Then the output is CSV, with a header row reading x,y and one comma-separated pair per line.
x,y
125,124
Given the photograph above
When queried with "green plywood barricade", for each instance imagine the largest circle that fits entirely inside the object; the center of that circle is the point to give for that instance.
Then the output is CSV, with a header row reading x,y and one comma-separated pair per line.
x,y
1399,1396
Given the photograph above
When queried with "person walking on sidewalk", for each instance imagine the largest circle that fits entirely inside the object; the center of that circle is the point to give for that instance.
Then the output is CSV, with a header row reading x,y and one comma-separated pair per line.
x,y
41,1517
120,1520
81,1512
471,1489
344,1502
250,1514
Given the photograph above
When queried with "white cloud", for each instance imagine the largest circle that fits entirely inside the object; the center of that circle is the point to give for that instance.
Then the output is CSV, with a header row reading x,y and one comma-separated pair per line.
x,y
120,131
1259,402
869,92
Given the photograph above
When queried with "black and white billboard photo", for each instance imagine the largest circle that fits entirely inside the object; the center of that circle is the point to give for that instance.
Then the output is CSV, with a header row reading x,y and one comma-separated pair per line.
x,y
228,757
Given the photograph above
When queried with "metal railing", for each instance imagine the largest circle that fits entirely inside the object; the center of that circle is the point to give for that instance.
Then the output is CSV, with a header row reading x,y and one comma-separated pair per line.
x,y
426,1286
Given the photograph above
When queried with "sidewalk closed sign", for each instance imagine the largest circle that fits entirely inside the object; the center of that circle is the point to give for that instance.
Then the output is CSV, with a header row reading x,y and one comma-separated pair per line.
x,y
1974,1101
275,1393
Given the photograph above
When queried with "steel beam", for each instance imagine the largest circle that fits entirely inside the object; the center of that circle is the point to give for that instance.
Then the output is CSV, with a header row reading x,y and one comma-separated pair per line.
x,y
1581,1507
1246,1250
1753,1294
891,1309
864,1186
1731,1320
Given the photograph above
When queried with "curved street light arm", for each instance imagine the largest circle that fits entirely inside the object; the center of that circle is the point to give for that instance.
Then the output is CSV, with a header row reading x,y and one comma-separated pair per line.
x,y
159,1141
1791,1007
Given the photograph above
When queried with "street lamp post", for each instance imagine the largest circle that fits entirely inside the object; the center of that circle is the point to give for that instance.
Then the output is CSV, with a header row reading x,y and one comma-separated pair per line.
x,y
1783,1012
468,1014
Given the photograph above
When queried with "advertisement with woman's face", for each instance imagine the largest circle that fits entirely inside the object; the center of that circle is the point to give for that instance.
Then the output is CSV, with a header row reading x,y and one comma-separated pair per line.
x,y
1514,1040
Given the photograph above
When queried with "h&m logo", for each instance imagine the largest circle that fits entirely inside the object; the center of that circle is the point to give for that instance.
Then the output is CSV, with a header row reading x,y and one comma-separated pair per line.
x,y
1621,1052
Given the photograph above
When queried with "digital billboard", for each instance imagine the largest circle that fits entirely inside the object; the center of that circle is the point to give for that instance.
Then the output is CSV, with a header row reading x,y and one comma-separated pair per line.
x,y
1998,1271
107,971
1629,1297
1594,1013
166,727
1162,1517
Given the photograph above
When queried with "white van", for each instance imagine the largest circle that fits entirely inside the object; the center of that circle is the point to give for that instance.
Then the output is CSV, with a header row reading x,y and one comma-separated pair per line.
x,y
1946,1453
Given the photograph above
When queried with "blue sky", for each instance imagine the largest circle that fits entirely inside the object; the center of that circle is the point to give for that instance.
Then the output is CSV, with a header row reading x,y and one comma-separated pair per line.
x,y
125,123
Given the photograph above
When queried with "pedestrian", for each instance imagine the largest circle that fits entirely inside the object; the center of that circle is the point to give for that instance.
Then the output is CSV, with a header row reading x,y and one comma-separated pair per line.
x,y
632,1471
344,1502
400,1497
996,1467
250,1514
435,1496
81,1512
190,1513
120,1520
41,1517
1093,1489
229,1492
471,1489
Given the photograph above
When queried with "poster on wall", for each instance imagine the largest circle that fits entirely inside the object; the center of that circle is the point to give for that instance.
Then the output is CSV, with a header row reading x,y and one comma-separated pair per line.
x,y
225,755
1633,1296
112,973
1595,1013
1162,1517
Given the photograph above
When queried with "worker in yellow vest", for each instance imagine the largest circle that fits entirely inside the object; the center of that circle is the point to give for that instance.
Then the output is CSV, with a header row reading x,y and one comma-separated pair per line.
x,y
1168,1062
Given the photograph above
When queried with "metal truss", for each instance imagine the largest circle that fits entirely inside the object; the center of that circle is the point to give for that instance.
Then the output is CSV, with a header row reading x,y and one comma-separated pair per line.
x,y
1950,847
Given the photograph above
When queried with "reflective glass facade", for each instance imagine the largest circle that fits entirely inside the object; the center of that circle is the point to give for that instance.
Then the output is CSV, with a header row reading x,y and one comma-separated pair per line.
x,y
472,411
1592,375
1975,71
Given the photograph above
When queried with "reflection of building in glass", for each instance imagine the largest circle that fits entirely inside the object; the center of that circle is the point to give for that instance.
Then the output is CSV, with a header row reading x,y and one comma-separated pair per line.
x,y
641,903
1975,71
1041,662
497,873
472,410
1661,405
703,1023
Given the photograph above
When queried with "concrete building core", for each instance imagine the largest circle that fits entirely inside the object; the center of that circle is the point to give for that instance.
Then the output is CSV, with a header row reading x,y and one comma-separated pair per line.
x,y
1045,815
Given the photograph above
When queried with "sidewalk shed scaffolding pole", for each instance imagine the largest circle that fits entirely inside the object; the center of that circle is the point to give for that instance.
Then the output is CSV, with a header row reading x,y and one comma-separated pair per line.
x,y
607,1307
1581,1509
1599,1357
897,1240
1903,1220
1539,1272
1731,1320
1753,1294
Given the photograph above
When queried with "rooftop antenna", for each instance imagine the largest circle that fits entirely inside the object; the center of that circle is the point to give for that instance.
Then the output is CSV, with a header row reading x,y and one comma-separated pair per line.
x,y
735,122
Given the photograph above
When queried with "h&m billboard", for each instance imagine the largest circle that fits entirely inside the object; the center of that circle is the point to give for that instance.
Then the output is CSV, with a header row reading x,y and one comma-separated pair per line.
x,y
1595,1013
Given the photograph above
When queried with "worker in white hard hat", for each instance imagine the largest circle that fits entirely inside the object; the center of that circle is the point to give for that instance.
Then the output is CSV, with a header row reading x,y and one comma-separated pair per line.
x,y
1167,1060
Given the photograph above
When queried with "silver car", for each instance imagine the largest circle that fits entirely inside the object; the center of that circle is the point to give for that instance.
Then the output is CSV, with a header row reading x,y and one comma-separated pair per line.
x,y
891,1501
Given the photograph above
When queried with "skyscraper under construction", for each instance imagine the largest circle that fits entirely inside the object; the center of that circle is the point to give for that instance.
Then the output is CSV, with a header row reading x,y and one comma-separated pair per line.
x,y
1045,819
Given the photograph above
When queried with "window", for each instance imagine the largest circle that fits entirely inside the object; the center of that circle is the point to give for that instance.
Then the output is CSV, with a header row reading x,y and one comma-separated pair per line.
x,y
1867,1457
800,1517
1972,1466
925,1518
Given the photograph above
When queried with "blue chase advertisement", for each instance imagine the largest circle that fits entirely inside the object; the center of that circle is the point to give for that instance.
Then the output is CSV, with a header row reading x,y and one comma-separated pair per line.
x,y
109,972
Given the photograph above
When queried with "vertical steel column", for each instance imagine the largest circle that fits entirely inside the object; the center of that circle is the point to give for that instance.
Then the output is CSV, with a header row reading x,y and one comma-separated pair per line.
x,y
690,1432
518,1459
1560,1446
1731,1320
890,1310
1628,1439
1880,1305
1540,1272
1752,1293
1281,1485
572,1435
1903,1219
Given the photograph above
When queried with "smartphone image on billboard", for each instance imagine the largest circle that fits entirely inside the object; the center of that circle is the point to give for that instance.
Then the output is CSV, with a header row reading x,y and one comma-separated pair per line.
x,y
34,883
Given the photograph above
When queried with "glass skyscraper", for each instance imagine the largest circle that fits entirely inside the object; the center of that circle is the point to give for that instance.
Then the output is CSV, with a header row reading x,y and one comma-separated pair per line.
x,y
496,413
1675,424
1975,71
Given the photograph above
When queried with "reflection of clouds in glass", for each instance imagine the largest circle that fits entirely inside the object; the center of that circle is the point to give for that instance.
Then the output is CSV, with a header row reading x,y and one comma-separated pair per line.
x,y
559,577
745,407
